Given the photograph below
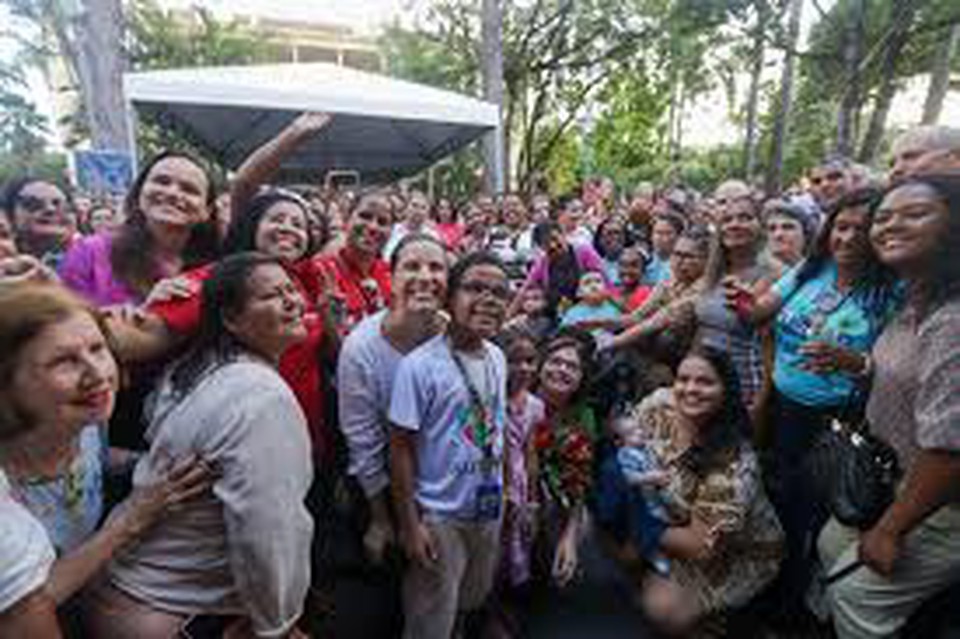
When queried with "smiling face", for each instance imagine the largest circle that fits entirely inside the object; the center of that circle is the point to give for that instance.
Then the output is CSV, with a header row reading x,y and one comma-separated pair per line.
x,y
369,226
419,278
698,390
786,238
739,225
908,229
849,238
65,376
631,267
272,317
43,215
174,194
561,373
514,211
479,303
283,232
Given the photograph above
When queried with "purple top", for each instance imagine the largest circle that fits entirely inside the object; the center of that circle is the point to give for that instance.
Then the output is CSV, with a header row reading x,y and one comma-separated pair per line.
x,y
86,269
587,258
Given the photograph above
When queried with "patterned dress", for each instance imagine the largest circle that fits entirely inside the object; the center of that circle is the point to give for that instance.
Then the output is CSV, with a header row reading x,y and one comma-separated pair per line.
x,y
730,497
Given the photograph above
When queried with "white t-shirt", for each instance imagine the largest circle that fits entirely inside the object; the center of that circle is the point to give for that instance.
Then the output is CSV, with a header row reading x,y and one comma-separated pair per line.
x,y
26,553
366,370
459,457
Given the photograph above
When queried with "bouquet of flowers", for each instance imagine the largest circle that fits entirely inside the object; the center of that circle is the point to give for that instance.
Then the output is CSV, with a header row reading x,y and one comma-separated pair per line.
x,y
566,461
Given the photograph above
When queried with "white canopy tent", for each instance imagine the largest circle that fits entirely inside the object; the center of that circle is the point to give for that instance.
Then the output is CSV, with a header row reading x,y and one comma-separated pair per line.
x,y
382,127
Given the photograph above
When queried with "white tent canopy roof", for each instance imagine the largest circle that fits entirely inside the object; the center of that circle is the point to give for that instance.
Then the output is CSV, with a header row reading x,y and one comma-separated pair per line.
x,y
381,127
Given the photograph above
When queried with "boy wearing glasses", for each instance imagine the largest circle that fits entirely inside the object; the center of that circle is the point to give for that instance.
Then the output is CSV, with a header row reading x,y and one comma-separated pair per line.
x,y
448,411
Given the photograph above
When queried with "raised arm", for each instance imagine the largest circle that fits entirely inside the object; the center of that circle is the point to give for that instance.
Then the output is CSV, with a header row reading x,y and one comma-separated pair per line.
x,y
264,163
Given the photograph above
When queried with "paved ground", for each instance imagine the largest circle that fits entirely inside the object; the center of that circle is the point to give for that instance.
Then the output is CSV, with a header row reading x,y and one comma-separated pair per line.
x,y
597,606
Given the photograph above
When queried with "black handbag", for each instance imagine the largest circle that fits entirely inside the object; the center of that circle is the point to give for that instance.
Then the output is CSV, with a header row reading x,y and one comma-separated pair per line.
x,y
854,473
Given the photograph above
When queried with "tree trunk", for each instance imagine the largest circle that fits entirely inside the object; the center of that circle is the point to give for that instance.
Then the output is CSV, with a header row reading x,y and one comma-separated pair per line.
x,y
847,116
781,122
901,16
940,76
494,160
753,97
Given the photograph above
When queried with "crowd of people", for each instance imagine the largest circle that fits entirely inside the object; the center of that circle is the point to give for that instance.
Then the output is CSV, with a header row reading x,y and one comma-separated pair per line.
x,y
221,408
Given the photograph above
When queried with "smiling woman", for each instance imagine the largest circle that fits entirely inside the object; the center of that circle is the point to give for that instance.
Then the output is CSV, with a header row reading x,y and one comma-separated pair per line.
x,y
168,227
244,549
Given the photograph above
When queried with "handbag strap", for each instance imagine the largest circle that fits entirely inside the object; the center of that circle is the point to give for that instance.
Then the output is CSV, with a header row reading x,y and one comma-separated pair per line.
x,y
850,568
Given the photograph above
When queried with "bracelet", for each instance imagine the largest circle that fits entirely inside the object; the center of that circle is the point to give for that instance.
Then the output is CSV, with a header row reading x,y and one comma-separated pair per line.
x,y
866,371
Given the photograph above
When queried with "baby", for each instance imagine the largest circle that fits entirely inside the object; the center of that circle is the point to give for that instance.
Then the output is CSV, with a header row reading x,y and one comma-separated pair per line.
x,y
641,470
594,310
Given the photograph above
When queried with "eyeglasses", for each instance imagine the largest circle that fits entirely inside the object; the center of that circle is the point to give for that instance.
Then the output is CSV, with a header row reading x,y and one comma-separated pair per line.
x,y
34,204
478,288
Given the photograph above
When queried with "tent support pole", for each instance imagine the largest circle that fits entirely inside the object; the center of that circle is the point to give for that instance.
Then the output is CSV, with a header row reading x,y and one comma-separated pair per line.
x,y
131,117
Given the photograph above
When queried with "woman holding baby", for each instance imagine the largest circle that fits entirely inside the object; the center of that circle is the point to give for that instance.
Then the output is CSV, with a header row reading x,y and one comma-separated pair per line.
x,y
719,539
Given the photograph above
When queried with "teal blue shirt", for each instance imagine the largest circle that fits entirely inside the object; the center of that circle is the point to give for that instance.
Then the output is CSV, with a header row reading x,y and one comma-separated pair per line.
x,y
818,311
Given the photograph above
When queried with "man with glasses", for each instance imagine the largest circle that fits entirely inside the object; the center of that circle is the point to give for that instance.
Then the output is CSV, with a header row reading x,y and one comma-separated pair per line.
x,y
43,220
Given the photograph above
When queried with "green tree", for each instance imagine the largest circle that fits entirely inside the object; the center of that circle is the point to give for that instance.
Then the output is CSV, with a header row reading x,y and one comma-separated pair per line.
x,y
159,39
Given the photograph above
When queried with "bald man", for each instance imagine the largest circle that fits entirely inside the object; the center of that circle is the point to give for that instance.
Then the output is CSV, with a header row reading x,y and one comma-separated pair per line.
x,y
926,149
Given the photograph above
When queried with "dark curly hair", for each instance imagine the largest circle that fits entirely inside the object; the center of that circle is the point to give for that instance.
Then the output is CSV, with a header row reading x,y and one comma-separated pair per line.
x,y
730,427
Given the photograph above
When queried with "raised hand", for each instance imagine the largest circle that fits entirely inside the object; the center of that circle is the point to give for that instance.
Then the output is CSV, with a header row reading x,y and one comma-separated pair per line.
x,y
310,122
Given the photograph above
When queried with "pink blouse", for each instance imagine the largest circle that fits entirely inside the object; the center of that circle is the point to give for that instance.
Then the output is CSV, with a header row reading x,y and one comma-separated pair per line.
x,y
86,270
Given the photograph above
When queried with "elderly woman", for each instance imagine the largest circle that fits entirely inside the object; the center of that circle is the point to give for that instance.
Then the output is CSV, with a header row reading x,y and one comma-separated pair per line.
x,y
241,554
913,551
59,380
723,543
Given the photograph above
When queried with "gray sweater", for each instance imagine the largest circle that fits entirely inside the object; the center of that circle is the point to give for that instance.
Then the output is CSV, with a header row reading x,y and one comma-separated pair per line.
x,y
245,548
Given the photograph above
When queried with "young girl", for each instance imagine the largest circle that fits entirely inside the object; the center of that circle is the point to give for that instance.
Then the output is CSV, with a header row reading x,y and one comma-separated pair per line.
x,y
524,411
